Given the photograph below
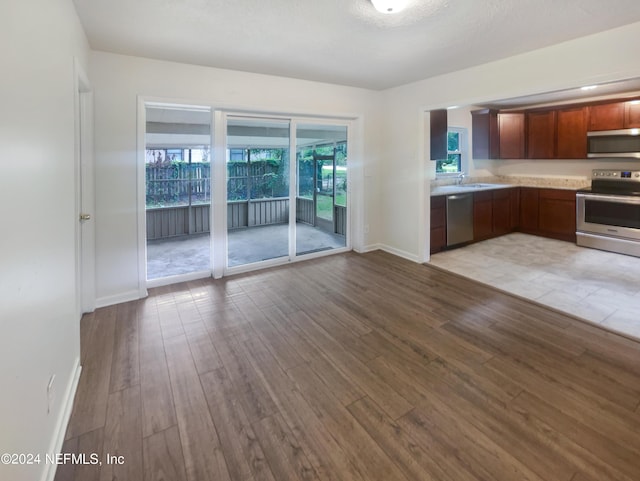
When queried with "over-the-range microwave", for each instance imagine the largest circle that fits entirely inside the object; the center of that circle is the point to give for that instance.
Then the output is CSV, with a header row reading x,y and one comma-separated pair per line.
x,y
614,143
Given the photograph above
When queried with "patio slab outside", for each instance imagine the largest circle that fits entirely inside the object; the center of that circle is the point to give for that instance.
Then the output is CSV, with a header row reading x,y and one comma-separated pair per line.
x,y
183,255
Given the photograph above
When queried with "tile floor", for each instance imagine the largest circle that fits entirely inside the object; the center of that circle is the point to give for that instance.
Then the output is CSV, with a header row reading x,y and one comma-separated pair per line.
x,y
601,287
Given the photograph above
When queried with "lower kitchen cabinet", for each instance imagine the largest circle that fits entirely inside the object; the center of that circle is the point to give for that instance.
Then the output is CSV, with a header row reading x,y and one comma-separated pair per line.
x,y
515,209
501,212
557,214
548,213
529,199
438,223
482,215
532,210
493,213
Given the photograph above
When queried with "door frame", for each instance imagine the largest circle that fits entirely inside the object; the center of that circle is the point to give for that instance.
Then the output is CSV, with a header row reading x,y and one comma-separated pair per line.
x,y
85,236
143,283
221,211
355,238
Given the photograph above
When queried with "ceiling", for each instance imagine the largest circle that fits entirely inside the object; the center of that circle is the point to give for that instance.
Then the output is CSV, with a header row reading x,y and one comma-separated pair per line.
x,y
343,42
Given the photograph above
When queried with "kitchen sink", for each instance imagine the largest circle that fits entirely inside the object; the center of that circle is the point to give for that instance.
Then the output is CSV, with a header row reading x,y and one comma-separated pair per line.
x,y
478,186
462,188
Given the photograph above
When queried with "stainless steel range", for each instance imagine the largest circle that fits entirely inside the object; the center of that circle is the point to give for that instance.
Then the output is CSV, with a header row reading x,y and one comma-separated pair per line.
x,y
608,214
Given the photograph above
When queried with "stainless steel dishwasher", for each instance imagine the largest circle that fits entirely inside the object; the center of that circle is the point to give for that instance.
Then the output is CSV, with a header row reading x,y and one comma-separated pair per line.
x,y
459,218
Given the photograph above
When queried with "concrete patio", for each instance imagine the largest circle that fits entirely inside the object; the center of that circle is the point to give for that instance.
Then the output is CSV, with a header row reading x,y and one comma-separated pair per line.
x,y
186,254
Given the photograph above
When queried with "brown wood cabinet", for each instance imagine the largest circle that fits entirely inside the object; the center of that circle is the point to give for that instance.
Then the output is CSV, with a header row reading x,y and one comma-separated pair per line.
x,y
607,116
515,208
511,135
438,223
632,114
548,213
493,213
557,214
538,211
541,134
438,131
529,209
571,133
482,215
484,134
501,212
548,133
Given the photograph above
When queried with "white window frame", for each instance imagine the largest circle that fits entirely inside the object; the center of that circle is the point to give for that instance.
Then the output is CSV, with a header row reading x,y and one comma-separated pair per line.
x,y
463,144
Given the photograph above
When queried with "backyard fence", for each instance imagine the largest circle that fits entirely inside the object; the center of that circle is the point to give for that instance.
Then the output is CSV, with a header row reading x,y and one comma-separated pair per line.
x,y
178,198
178,183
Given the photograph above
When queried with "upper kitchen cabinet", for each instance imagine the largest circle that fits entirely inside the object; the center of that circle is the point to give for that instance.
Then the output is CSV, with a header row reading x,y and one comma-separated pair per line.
x,y
511,129
438,131
632,114
497,135
551,132
606,116
541,134
485,134
572,133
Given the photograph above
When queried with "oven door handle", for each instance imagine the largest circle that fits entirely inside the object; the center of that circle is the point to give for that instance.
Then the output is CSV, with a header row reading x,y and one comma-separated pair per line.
x,y
623,199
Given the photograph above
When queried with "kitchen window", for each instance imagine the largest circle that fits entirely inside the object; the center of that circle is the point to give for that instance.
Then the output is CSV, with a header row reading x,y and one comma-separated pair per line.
x,y
457,153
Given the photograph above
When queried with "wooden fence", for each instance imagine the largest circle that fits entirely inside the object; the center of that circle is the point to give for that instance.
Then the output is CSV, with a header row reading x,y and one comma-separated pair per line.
x,y
178,183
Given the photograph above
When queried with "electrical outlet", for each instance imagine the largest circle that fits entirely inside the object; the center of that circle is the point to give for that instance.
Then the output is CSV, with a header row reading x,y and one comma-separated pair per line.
x,y
51,393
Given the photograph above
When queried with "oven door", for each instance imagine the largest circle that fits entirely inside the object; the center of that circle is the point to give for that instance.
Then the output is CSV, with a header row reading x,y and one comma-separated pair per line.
x,y
610,215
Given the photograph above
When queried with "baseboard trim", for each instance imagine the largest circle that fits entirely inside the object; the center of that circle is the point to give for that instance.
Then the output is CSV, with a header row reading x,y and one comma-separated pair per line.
x,y
61,428
369,248
118,298
399,253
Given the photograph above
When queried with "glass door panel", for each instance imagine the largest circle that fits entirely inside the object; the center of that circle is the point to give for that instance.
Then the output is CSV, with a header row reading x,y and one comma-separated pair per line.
x,y
321,202
178,190
258,173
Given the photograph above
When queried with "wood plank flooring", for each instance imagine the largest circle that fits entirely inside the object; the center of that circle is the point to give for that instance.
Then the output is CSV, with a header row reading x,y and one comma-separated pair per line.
x,y
352,367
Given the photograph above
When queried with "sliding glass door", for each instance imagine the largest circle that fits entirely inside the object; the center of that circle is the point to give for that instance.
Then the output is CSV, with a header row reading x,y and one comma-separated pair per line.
x,y
177,190
321,203
258,172
281,187
267,218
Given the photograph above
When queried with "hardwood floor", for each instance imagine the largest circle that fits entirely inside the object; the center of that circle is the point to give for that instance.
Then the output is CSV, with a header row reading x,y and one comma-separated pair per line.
x,y
352,367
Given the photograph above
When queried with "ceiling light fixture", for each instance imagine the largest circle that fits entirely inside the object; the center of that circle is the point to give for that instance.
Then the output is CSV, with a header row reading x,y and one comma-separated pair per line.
x,y
589,87
389,6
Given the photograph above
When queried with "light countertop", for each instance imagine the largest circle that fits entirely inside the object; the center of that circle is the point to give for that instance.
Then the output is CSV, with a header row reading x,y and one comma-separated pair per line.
x,y
492,183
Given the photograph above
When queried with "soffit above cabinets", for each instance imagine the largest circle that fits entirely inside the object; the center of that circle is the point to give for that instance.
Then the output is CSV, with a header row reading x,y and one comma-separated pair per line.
x,y
611,90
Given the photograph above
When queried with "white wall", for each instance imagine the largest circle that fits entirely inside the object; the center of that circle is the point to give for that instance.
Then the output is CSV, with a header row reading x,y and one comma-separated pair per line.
x,y
39,328
118,80
602,57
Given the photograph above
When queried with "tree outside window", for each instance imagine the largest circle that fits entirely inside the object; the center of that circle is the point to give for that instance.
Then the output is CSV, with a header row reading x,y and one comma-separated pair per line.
x,y
453,163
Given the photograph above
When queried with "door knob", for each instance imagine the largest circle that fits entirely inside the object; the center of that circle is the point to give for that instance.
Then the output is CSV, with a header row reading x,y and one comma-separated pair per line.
x,y
85,216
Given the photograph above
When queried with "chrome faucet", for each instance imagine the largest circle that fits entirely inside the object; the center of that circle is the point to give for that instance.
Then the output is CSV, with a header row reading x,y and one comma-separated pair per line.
x,y
461,177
